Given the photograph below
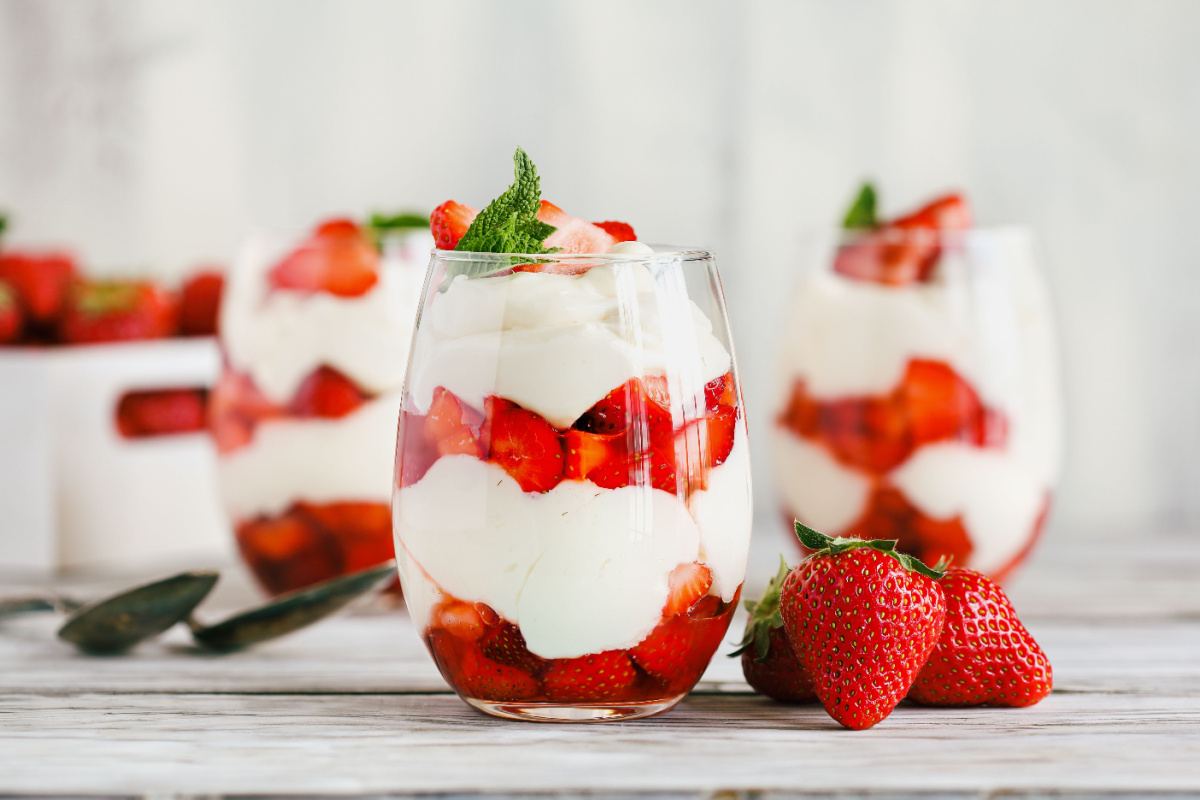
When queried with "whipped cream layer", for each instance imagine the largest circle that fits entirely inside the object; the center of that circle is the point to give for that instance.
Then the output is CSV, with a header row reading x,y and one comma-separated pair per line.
x,y
557,344
348,459
814,485
280,337
580,568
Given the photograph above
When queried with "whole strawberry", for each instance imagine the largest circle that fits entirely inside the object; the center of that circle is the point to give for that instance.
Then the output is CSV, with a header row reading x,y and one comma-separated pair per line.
x,y
984,656
768,661
862,620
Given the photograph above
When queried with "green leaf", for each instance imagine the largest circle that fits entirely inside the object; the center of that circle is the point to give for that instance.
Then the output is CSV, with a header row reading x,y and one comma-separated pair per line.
x,y
384,223
811,539
765,616
3,224
862,212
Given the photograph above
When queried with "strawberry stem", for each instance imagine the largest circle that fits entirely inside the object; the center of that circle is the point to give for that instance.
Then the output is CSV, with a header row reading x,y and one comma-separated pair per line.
x,y
764,616
820,544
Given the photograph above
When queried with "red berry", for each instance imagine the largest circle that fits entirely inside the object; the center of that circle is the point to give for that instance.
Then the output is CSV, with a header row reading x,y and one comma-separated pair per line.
x,y
113,311
523,444
41,282
161,412
984,656
362,531
448,427
687,584
415,452
11,318
862,621
327,393
338,258
619,231
288,552
504,644
595,456
449,223
200,304
588,679
768,661
906,249
574,235
235,407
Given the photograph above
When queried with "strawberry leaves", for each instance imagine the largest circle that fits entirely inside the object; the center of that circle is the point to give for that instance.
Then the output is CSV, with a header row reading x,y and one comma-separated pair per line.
x,y
764,617
510,223
820,543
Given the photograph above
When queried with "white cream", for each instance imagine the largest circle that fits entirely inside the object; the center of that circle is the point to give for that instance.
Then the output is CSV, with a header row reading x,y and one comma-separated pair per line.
x,y
557,344
814,486
281,337
315,460
998,498
724,513
581,569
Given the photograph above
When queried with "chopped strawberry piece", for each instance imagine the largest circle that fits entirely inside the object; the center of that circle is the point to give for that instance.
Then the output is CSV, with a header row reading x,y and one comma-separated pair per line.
x,y
338,258
11,317
236,406
118,311
720,391
363,531
889,515
481,677
940,404
288,552
618,410
448,427
449,223
327,393
591,678
574,235
200,304
460,619
591,454
504,644
523,444
620,231
161,412
906,249
41,282
416,452
667,650
687,584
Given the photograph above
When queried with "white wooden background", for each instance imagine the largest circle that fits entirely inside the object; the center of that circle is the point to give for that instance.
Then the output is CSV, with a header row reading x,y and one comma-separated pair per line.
x,y
355,707
153,132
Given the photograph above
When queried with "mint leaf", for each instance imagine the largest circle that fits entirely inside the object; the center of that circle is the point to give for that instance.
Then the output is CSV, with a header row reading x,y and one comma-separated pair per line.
x,y
383,223
862,211
3,224
510,224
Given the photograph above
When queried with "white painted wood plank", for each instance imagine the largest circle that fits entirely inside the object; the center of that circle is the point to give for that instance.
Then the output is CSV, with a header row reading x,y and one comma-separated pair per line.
x,y
356,744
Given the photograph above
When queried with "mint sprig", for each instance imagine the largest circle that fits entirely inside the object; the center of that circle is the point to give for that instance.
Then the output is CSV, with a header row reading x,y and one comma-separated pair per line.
x,y
509,224
862,213
819,543
386,223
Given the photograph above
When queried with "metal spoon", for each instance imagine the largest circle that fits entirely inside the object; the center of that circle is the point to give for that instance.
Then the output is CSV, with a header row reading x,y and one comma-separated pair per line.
x,y
291,611
122,620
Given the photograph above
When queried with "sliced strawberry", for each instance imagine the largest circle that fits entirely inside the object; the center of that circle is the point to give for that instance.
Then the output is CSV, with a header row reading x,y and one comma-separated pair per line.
x,y
523,444
906,249
338,258
940,405
667,650
288,552
113,311
588,679
484,679
161,412
449,223
574,235
687,584
889,515
41,281
11,317
504,644
460,619
618,410
363,531
235,407
416,451
591,454
200,304
947,213
448,427
327,393
720,391
620,231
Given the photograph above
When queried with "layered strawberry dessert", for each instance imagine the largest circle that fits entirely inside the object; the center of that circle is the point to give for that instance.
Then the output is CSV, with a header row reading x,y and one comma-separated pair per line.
x,y
315,336
572,510
919,396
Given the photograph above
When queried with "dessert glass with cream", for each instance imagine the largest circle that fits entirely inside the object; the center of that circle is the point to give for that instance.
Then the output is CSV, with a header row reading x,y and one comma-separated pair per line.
x,y
572,505
315,330
918,390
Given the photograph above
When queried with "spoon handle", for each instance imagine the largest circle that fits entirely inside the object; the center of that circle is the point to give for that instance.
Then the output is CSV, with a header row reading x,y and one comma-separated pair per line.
x,y
25,605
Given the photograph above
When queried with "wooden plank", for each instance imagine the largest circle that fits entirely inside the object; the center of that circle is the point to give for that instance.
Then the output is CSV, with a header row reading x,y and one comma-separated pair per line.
x,y
285,744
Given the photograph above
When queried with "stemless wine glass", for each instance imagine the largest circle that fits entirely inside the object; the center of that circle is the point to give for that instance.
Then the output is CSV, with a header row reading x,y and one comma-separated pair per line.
x,y
919,394
315,329
572,506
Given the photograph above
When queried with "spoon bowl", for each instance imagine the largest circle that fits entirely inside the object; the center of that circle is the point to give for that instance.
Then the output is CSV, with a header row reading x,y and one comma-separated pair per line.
x,y
119,622
291,611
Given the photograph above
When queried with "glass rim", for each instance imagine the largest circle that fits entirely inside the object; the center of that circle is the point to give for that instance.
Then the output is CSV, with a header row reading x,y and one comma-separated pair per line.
x,y
662,252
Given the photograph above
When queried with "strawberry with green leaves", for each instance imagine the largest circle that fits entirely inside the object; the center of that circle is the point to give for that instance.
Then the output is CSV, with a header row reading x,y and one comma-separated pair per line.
x,y
862,620
768,661
984,656
111,311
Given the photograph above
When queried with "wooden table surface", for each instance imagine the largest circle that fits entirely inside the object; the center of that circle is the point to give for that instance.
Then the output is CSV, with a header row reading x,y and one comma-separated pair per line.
x,y
354,707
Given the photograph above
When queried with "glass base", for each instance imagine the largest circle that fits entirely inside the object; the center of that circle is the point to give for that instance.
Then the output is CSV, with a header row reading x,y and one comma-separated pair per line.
x,y
590,712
